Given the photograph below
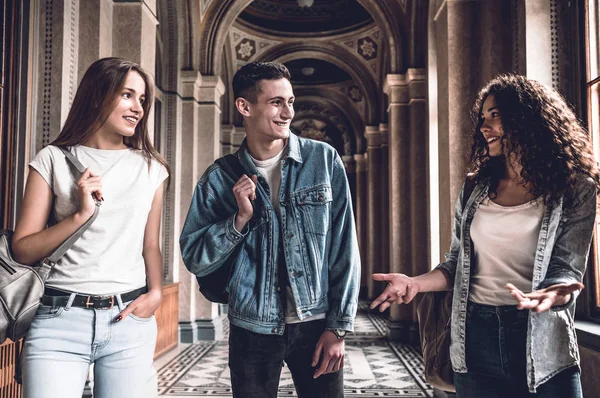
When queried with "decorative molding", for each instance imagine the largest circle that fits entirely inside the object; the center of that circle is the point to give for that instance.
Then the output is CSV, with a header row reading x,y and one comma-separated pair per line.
x,y
516,20
73,46
367,46
47,95
554,44
246,47
168,138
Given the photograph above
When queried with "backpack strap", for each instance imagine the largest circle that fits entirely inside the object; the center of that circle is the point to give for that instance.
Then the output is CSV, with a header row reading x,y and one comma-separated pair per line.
x,y
69,242
232,166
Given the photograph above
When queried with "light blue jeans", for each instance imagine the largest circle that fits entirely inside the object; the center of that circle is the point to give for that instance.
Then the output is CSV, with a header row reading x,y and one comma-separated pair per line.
x,y
64,341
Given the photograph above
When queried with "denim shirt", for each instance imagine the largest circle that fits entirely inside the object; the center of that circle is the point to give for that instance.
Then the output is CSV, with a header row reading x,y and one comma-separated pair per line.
x,y
315,237
561,257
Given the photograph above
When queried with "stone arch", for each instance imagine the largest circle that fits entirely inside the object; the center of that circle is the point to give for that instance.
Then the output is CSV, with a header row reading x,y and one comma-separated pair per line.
x,y
221,14
216,22
338,56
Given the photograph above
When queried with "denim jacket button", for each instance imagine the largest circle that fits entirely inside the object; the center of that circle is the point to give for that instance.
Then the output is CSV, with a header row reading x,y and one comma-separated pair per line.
x,y
320,198
278,289
275,330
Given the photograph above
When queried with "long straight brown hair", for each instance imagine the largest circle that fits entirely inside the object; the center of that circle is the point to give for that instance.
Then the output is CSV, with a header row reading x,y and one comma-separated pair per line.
x,y
97,96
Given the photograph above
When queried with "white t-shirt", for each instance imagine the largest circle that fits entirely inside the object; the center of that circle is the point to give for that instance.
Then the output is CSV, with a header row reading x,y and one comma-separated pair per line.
x,y
505,240
270,169
107,259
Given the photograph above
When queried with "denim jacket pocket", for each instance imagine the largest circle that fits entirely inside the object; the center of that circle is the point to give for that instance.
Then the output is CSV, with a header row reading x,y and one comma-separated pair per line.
x,y
315,205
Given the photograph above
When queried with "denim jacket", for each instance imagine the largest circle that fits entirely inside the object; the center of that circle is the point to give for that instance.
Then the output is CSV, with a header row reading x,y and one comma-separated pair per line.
x,y
561,257
315,237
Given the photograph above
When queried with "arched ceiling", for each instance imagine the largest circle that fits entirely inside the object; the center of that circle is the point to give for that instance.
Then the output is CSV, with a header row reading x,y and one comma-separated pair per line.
x,y
306,16
311,71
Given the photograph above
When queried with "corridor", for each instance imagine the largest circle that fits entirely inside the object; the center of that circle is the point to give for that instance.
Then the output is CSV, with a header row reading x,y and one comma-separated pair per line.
x,y
374,367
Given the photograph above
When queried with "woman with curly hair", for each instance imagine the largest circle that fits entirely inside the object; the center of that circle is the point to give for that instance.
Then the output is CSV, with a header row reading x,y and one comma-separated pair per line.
x,y
519,247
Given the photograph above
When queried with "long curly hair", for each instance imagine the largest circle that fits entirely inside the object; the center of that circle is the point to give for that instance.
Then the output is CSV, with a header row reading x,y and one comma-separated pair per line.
x,y
541,130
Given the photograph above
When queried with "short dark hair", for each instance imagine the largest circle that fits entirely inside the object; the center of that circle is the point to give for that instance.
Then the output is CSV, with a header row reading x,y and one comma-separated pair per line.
x,y
246,81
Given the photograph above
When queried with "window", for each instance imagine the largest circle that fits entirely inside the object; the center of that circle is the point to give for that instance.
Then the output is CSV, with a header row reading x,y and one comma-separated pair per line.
x,y
592,33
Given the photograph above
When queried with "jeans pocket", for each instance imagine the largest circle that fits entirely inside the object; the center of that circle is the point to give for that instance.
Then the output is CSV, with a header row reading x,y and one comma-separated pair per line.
x,y
47,311
140,319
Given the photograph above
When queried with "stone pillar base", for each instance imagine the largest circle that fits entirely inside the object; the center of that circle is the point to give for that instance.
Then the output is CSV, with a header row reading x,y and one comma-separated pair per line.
x,y
187,332
399,331
210,329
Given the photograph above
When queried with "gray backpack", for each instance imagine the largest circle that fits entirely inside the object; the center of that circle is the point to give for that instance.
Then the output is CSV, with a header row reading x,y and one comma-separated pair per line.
x,y
22,286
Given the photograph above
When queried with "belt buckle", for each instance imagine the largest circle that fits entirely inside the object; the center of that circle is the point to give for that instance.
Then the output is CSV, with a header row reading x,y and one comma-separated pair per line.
x,y
89,303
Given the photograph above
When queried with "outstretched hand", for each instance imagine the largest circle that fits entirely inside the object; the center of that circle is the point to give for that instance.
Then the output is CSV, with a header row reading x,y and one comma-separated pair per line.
x,y
541,300
400,289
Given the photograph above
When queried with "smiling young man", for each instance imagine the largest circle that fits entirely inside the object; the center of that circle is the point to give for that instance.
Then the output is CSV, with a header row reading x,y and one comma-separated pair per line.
x,y
288,229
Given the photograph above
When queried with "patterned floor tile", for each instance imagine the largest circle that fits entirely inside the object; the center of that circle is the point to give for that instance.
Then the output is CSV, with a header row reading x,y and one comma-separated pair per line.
x,y
373,367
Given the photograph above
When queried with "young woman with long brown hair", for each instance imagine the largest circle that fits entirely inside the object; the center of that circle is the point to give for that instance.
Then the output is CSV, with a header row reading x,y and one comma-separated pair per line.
x,y
100,298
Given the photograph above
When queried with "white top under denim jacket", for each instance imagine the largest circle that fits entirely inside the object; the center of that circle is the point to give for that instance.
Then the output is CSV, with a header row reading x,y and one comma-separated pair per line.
x,y
561,257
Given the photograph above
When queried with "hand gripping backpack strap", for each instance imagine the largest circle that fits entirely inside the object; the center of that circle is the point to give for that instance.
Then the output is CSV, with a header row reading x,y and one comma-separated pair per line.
x,y
67,244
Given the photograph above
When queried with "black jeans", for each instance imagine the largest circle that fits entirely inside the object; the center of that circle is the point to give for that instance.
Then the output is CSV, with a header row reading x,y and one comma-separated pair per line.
x,y
255,361
496,339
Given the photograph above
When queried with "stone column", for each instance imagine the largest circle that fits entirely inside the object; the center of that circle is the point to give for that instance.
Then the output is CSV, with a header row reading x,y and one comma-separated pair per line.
x,y
208,100
385,199
95,33
374,183
360,214
209,108
418,175
458,80
189,296
199,319
396,88
134,36
227,131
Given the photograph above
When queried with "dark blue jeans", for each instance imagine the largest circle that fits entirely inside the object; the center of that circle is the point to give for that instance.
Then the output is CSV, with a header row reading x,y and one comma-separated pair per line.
x,y
496,339
255,361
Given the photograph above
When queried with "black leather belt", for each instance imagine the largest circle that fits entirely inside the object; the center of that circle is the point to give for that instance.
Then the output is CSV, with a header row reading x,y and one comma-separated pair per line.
x,y
60,298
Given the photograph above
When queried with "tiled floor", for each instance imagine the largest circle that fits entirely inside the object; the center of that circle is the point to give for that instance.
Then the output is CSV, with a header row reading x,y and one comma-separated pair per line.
x,y
373,367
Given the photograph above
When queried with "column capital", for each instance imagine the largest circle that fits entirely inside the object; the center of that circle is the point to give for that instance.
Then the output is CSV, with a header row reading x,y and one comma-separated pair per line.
x,y
227,131
190,83
417,84
385,134
211,89
373,136
361,162
414,74
396,88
